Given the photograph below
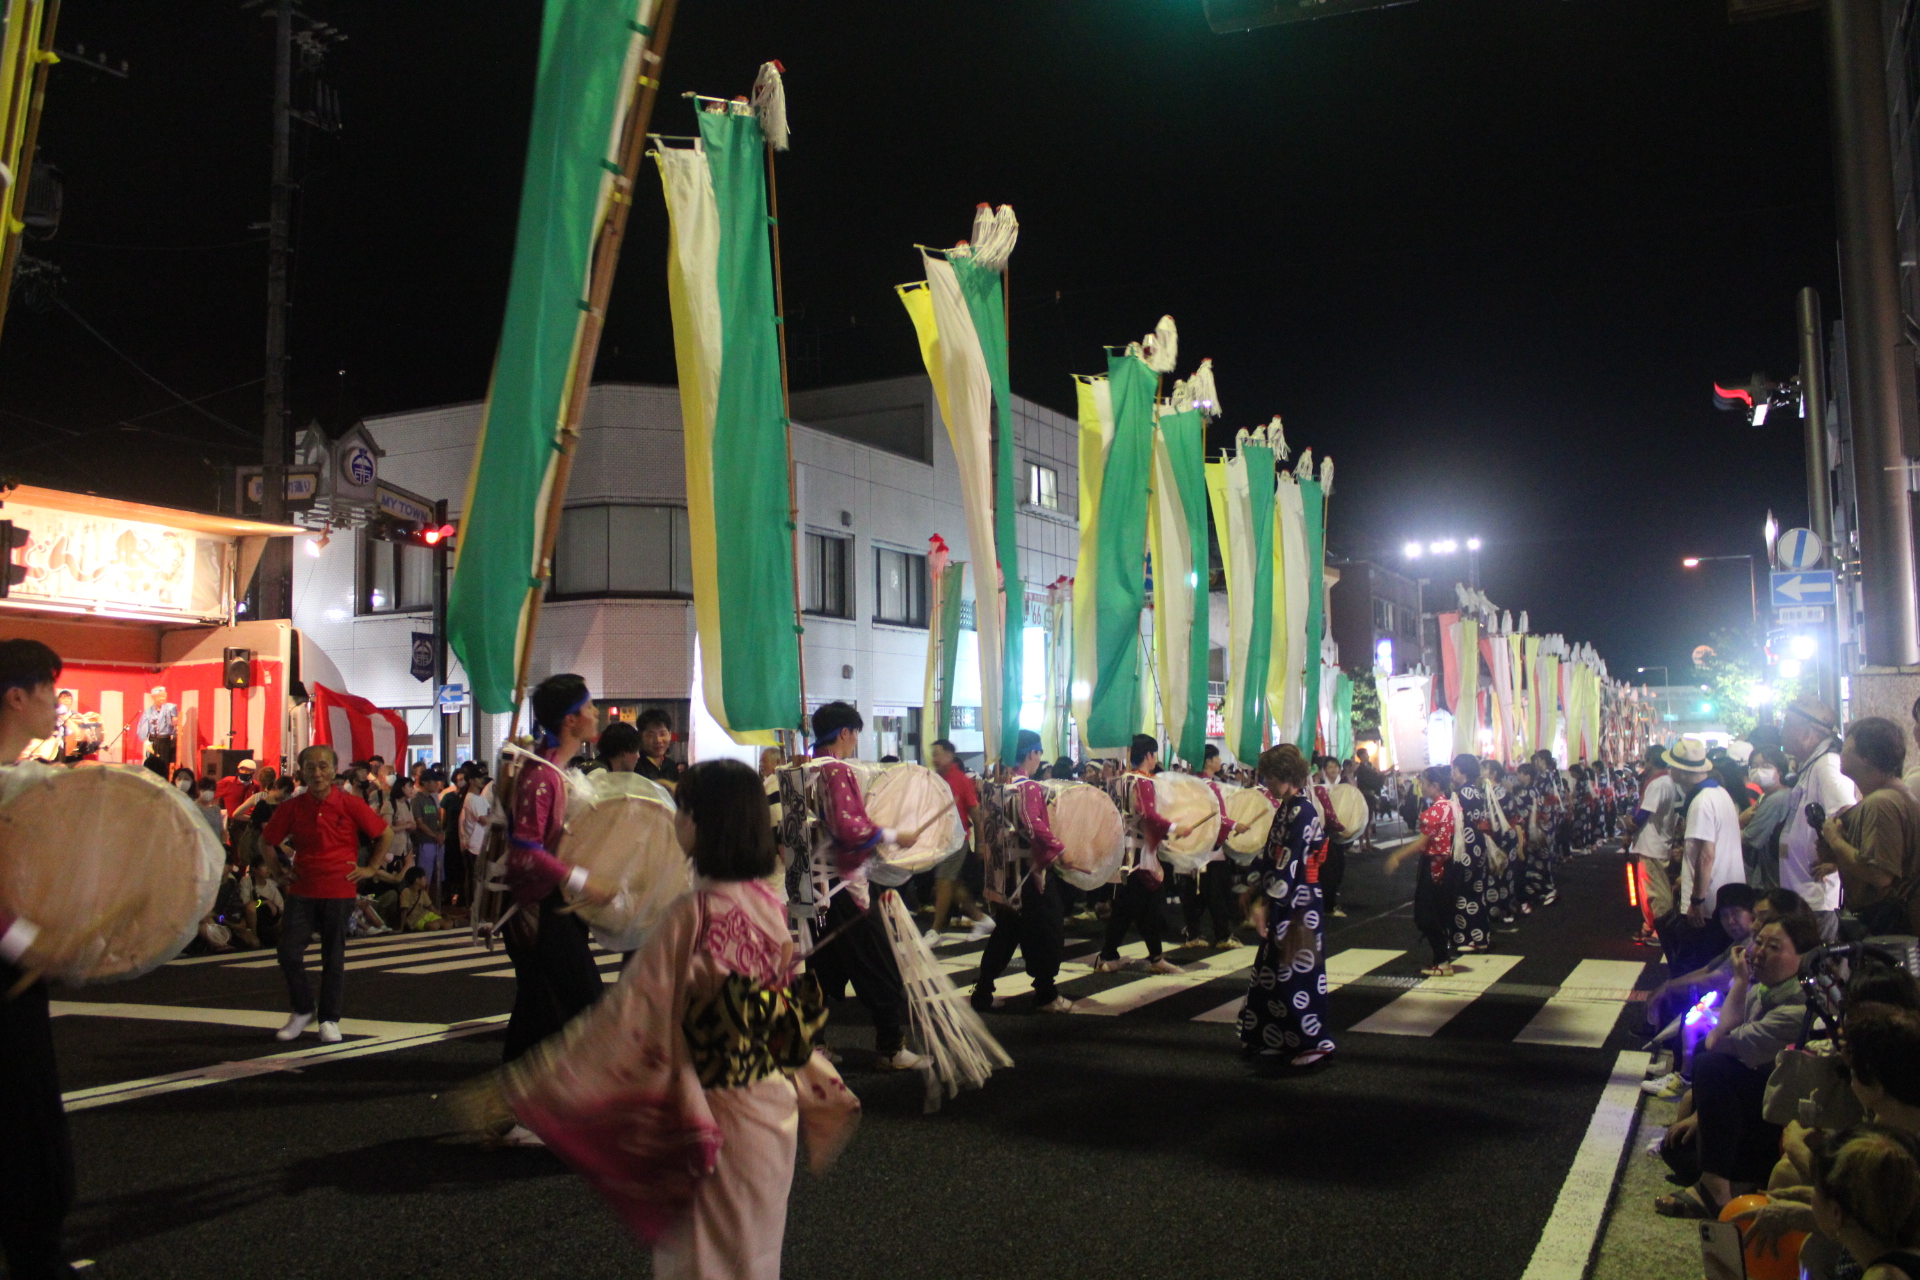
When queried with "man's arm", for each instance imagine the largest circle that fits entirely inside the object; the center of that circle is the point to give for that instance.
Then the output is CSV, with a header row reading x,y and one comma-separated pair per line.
x,y
1879,837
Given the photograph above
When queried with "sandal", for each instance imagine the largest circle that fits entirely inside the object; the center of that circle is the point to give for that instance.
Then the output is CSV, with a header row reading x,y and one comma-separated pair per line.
x,y
1439,971
1688,1202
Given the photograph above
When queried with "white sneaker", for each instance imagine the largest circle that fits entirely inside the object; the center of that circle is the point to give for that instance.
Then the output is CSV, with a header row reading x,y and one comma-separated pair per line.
x,y
1164,965
1661,1064
981,928
931,937
295,1025
1059,1004
905,1060
521,1136
1665,1086
329,1033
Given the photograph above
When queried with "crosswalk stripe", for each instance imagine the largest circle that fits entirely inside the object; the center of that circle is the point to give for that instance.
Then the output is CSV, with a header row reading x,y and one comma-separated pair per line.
x,y
1435,1002
1132,995
394,948
1342,968
1011,984
1583,1013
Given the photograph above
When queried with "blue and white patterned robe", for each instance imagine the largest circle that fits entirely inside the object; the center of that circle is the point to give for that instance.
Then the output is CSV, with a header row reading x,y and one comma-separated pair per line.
x,y
1287,994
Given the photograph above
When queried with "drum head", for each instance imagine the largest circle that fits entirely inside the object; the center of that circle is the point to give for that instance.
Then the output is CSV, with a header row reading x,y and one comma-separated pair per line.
x,y
116,867
1085,820
1184,800
1350,808
1252,806
914,796
627,837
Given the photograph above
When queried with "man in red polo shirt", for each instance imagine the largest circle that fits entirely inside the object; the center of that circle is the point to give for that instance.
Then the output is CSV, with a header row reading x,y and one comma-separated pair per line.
x,y
234,789
324,824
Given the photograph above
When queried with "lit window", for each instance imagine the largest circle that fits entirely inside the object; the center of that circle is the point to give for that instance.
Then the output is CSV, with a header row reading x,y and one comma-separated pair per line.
x,y
900,594
1043,487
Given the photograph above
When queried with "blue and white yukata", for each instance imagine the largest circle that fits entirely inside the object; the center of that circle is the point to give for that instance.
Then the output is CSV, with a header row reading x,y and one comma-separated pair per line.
x,y
1286,1010
1472,926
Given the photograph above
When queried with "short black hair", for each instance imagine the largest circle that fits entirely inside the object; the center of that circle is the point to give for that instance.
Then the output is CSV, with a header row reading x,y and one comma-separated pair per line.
x,y
619,739
1027,744
1737,894
1880,742
946,745
555,698
829,720
653,718
1469,766
27,664
889,759
1441,777
1063,767
1883,1048
1144,745
1785,902
1210,753
413,874
733,827
1801,931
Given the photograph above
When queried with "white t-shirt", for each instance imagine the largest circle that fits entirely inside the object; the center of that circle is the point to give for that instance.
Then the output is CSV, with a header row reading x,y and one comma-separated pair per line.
x,y
1660,802
1822,783
1713,818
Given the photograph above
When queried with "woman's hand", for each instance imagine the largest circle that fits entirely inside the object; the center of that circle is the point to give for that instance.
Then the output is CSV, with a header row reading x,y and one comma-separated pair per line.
x,y
1773,1221
1742,966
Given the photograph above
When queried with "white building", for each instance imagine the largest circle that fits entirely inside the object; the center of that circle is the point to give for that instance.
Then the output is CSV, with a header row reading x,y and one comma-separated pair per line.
x,y
875,477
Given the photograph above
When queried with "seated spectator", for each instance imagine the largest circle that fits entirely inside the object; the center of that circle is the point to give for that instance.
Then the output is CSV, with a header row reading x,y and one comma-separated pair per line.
x,y
1735,910
416,903
264,902
1763,1014
1866,1196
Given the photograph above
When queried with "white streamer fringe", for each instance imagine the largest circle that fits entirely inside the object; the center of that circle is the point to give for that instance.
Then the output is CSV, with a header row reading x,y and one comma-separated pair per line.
x,y
964,1052
770,104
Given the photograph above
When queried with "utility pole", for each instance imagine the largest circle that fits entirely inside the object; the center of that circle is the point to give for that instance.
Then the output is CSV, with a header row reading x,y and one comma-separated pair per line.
x,y
276,565
1879,358
1813,406
447,722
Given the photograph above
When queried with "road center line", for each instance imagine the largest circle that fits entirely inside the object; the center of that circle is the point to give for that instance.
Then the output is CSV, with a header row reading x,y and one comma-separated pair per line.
x,y
1567,1242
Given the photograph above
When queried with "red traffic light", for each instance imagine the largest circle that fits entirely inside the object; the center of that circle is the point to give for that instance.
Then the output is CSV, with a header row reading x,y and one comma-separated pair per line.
x,y
434,537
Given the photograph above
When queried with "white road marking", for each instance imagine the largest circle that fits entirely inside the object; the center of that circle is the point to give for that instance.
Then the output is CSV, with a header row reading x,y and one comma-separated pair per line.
x,y
389,951
1019,983
1342,967
1133,995
1566,1243
128,1090
1437,1001
228,1017
1583,1012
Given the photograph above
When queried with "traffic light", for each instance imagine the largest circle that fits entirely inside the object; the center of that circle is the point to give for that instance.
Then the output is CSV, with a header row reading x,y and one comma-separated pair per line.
x,y
12,539
389,528
440,535
1756,399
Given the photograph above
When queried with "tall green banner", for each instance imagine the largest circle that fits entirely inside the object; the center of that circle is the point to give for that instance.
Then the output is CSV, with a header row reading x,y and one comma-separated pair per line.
x,y
590,52
733,415
1313,500
1120,587
1184,438
1256,568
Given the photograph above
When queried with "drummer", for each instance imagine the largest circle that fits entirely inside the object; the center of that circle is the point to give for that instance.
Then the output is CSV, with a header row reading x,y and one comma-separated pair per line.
x,y
1025,899
858,951
36,1173
1136,897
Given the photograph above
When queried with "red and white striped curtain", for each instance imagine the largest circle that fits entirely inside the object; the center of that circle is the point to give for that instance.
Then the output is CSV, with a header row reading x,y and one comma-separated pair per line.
x,y
356,729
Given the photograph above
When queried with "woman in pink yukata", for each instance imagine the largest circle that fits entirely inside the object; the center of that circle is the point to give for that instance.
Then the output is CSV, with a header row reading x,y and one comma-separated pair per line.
x,y
682,1094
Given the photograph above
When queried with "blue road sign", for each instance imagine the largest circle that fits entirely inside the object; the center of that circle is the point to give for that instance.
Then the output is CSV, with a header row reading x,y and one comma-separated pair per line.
x,y
1799,549
1803,586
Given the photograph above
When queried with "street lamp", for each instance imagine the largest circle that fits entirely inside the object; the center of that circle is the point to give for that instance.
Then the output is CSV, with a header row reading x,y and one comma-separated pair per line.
x,y
1448,547
1665,679
1753,581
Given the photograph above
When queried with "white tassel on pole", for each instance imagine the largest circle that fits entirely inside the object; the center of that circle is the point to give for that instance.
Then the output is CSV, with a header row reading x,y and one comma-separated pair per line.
x,y
770,104
1161,348
1200,390
1277,437
964,1052
995,232
1326,475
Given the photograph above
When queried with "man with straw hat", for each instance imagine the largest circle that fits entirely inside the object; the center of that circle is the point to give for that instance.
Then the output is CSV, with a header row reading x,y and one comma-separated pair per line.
x,y
1712,856
1810,732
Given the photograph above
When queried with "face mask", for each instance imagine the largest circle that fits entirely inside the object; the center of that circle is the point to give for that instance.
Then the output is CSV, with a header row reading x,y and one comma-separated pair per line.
x,y
1763,777
183,784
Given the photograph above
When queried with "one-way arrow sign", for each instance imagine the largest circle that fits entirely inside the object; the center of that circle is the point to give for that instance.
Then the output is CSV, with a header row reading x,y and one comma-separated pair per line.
x,y
1803,586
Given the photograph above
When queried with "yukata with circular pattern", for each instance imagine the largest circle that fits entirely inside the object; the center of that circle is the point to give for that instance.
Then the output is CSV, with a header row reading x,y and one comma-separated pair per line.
x,y
1286,1009
1471,924
1543,839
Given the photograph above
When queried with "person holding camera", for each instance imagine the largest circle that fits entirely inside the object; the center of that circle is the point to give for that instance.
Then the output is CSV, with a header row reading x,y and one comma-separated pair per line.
x,y
1875,845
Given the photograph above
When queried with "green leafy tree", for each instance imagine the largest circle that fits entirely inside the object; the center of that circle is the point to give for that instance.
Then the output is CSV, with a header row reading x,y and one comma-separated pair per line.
x,y
1741,686
1366,705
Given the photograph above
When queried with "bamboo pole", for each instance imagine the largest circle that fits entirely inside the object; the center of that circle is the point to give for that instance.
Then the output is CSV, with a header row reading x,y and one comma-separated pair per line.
x,y
786,412
606,258
16,205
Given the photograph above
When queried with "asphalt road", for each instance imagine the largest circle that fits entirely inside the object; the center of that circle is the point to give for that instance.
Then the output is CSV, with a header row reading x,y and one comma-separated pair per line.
x,y
1121,1141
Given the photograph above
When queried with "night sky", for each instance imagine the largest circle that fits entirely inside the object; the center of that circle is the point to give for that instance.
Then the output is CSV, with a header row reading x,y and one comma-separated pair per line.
x,y
1490,255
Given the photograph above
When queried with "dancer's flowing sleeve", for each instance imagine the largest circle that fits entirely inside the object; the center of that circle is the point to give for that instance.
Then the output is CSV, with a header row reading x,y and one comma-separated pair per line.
x,y
539,807
854,833
1152,825
615,1094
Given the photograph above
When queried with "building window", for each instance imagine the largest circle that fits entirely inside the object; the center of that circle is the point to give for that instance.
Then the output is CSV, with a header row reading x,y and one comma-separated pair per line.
x,y
623,551
1043,486
392,577
1382,614
900,588
827,595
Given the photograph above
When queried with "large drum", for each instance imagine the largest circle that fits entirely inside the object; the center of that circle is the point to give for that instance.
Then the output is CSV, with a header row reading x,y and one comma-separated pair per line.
x,y
911,796
620,828
1255,808
1350,809
1088,825
1186,801
115,867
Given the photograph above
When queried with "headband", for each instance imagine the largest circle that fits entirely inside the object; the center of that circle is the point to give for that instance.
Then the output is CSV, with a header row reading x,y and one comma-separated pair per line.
x,y
546,739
